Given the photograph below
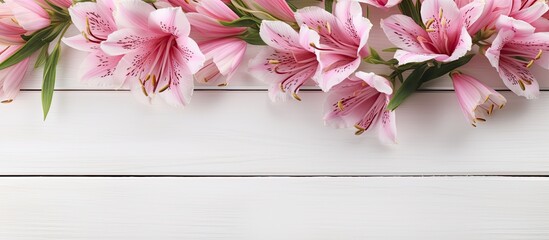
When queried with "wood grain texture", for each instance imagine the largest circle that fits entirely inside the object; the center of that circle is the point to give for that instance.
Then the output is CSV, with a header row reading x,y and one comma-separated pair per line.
x,y
274,208
244,133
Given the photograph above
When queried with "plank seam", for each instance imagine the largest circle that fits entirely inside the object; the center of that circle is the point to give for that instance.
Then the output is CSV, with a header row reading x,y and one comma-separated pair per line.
x,y
272,176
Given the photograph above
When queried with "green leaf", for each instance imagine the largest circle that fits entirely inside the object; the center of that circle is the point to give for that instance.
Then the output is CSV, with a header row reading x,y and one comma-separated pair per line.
x,y
374,54
35,42
443,69
408,8
292,6
251,36
48,84
423,74
42,56
394,49
328,4
410,85
245,21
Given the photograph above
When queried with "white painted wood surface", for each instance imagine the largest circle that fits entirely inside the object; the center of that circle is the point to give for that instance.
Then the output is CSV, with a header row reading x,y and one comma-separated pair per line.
x,y
224,135
244,133
275,208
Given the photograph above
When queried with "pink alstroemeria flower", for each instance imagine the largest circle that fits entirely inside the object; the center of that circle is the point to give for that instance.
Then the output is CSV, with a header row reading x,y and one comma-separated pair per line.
x,y
514,50
13,20
445,38
528,10
95,21
384,4
29,14
11,78
158,56
270,10
10,31
361,101
489,10
475,99
223,49
343,37
189,5
289,61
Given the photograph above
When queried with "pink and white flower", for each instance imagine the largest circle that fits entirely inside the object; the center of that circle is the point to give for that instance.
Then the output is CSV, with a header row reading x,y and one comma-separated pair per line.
x,y
343,37
11,78
514,50
189,5
482,14
361,101
223,48
95,21
475,99
289,61
445,38
158,55
269,10
528,10
384,4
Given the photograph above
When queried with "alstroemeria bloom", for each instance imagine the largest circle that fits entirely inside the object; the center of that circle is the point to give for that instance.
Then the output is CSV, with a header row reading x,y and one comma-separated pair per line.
x,y
343,37
11,78
269,10
528,10
289,61
223,48
445,38
361,101
189,5
95,21
489,10
514,50
10,31
475,99
29,14
158,56
382,3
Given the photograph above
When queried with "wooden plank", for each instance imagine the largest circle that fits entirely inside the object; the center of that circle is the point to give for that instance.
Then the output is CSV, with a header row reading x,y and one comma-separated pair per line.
x,y
274,208
69,66
242,132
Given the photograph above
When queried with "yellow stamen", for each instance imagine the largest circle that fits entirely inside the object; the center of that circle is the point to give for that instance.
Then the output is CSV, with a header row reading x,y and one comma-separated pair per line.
x,y
153,80
340,105
328,28
222,85
164,88
430,30
7,101
296,97
521,84
538,56
443,22
360,130
429,23
440,12
144,90
473,125
491,109
481,119
273,61
281,87
530,63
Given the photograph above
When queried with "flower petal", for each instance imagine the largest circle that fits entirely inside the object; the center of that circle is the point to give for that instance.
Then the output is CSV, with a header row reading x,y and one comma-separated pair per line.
x,y
98,69
405,57
169,20
190,56
387,126
336,69
380,83
403,32
279,35
78,42
126,40
132,14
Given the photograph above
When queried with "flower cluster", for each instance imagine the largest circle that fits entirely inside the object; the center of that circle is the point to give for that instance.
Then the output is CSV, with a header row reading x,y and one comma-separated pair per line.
x,y
160,48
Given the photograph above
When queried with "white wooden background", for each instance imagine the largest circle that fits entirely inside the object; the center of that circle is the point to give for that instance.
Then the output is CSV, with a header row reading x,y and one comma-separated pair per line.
x,y
233,165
